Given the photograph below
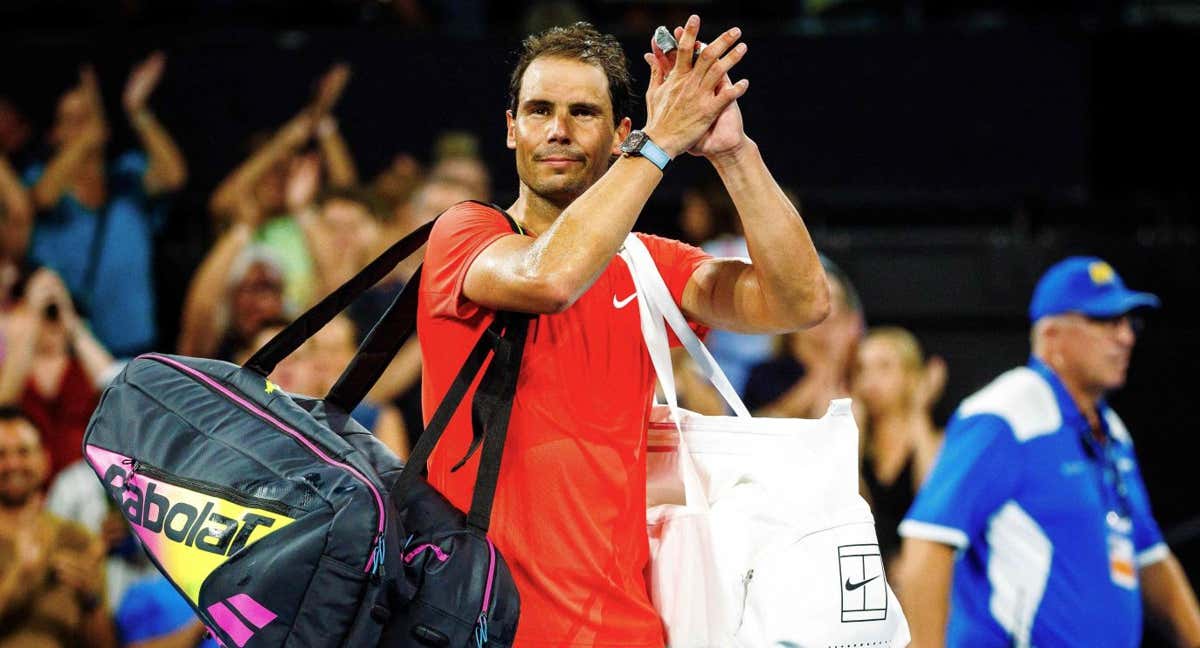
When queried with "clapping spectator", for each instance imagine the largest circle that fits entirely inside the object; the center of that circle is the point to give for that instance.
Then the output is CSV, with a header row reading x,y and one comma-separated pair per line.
x,y
51,577
97,219
897,389
53,367
261,184
813,366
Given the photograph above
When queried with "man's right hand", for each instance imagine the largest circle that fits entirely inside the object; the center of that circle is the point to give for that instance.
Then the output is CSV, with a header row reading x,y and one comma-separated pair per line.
x,y
683,102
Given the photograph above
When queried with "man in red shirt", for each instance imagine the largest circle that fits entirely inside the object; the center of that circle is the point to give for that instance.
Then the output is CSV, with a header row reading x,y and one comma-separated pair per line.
x,y
569,514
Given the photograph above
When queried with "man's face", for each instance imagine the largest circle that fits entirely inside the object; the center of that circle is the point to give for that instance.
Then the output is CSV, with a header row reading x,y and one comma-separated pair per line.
x,y
23,462
349,225
257,298
563,131
1095,352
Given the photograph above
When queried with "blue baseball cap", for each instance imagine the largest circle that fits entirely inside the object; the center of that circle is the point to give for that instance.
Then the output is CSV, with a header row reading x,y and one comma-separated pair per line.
x,y
1085,285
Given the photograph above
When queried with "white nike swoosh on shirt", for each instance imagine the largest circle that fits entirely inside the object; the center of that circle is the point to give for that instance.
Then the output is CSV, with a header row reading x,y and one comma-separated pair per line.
x,y
622,303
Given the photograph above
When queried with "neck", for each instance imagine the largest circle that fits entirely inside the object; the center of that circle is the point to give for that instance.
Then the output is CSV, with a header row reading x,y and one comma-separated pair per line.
x,y
1085,397
535,213
12,518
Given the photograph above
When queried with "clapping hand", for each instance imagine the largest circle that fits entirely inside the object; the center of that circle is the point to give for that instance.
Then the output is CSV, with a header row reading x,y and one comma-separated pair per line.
x,y
687,102
143,78
726,134
330,88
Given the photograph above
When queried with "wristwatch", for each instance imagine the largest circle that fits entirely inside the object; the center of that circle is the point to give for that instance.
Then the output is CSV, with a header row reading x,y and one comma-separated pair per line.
x,y
639,144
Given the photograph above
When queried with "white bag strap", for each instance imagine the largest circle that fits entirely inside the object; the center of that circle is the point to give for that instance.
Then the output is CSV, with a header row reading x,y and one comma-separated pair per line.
x,y
654,290
654,333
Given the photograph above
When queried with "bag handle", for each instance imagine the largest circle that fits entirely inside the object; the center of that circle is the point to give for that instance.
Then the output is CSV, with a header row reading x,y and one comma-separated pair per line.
x,y
491,411
654,333
641,265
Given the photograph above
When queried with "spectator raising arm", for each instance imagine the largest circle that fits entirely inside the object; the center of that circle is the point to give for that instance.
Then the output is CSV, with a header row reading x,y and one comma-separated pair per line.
x,y
83,112
200,332
286,141
16,213
338,161
167,170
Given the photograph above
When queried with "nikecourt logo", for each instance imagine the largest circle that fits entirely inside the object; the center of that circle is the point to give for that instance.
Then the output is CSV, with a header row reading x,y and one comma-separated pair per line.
x,y
850,587
622,303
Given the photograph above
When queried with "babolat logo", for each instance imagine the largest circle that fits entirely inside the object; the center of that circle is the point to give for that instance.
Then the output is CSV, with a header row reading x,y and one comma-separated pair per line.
x,y
197,524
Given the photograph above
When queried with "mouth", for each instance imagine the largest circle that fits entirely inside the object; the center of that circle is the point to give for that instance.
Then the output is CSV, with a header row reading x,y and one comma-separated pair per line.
x,y
559,161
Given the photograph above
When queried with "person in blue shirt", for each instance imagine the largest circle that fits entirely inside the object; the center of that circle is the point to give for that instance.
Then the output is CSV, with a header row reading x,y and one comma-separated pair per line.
x,y
153,614
1034,527
96,218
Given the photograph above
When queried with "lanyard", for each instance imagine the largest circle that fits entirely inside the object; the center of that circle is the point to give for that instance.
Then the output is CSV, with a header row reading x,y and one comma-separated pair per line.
x,y
1110,474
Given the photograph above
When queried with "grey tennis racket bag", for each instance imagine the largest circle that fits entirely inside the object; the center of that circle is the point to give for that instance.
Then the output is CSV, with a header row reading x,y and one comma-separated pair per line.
x,y
282,521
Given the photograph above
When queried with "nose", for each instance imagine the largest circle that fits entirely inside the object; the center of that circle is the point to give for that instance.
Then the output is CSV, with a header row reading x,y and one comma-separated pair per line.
x,y
1126,336
558,130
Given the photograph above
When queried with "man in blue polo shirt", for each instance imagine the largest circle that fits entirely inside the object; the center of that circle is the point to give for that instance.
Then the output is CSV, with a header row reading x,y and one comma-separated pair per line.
x,y
1034,527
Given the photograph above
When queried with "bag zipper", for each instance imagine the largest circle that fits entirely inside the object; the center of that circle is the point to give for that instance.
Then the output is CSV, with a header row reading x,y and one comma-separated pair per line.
x,y
745,595
214,490
481,624
375,557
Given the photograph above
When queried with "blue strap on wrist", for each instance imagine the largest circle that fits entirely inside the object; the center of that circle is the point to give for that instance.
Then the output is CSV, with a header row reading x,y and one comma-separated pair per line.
x,y
652,152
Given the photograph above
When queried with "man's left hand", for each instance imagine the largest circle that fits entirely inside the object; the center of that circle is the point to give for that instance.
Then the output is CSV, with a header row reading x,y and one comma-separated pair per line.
x,y
727,134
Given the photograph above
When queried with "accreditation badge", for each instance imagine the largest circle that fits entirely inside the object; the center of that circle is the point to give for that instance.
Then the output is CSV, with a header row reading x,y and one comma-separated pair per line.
x,y
1121,567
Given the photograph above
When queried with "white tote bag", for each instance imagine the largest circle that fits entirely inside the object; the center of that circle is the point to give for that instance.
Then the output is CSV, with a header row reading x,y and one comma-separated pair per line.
x,y
758,536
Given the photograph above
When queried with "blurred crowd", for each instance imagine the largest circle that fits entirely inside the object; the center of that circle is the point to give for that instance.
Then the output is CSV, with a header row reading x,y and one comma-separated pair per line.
x,y
292,221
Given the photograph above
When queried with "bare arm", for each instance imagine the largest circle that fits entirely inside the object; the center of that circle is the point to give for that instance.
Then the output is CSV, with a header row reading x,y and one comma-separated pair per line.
x,y
200,328
16,212
784,288
1170,601
922,582
390,429
401,374
167,170
290,137
547,274
338,160
61,169
24,326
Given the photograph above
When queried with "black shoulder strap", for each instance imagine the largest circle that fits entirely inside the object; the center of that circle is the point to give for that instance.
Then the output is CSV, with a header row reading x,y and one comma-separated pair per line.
x,y
289,339
384,341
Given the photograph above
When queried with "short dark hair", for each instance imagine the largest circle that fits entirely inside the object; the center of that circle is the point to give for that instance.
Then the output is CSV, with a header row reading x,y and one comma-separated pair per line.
x,y
363,197
14,413
581,42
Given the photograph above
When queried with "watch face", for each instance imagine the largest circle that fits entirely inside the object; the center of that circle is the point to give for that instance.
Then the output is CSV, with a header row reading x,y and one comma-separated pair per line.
x,y
633,143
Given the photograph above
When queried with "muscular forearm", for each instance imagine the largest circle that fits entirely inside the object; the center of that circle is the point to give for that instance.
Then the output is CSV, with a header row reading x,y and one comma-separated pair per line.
x,y
1170,601
59,172
793,286
582,242
167,170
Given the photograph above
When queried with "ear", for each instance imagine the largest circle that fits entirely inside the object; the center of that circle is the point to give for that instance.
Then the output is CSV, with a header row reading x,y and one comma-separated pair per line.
x,y
620,134
511,122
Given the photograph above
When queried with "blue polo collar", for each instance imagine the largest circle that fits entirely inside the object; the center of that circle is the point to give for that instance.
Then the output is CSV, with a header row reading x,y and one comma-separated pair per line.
x,y
1073,418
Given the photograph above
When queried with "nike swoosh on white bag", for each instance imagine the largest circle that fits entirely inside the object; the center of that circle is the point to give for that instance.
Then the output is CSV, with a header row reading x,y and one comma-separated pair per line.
x,y
622,303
